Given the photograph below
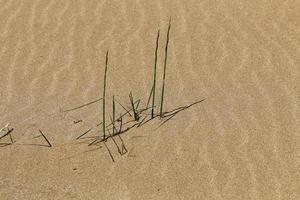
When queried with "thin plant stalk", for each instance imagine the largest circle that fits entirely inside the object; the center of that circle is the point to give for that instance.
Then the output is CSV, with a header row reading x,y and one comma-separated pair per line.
x,y
165,69
110,154
149,98
121,123
136,117
154,76
104,94
114,115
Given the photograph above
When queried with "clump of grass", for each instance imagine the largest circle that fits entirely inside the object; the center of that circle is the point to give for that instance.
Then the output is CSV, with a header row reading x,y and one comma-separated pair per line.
x,y
104,94
140,115
165,70
154,75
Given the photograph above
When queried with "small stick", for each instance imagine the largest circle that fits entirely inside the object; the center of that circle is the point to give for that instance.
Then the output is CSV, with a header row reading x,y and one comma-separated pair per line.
x,y
87,104
94,142
84,133
111,136
165,69
170,117
124,131
77,121
45,138
142,121
144,109
99,124
127,111
177,111
111,156
123,145
182,108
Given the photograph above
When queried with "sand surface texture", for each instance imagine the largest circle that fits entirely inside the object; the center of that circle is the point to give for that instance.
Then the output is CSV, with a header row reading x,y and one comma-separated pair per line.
x,y
242,57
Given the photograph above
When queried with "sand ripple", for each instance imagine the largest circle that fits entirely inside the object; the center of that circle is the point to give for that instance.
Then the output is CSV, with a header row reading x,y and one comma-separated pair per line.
x,y
242,56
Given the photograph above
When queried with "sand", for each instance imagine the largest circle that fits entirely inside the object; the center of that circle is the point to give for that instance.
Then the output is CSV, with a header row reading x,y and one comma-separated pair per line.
x,y
242,57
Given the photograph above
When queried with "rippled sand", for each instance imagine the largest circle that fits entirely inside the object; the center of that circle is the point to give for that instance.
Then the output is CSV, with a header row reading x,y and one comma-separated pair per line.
x,y
243,57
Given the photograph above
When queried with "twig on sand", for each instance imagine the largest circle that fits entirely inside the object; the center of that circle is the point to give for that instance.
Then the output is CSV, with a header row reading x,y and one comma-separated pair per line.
x,y
173,113
127,111
123,146
49,144
77,121
84,105
111,156
86,132
113,139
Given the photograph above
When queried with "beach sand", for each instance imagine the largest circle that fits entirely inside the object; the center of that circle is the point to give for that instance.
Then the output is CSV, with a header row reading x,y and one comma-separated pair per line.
x,y
242,57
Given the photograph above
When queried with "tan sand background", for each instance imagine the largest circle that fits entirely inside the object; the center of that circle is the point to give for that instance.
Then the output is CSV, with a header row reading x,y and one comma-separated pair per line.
x,y
242,56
